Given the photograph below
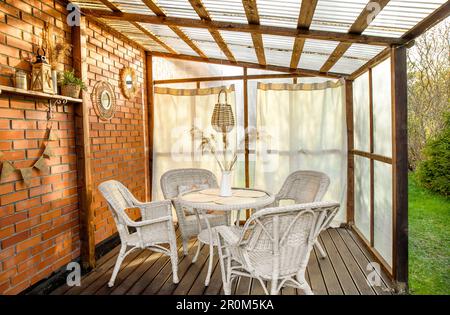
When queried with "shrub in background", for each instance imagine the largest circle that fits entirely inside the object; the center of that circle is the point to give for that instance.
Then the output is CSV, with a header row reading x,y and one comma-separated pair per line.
x,y
434,171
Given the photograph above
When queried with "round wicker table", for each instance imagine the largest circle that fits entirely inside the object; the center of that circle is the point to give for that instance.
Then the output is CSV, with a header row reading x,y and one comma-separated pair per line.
x,y
203,200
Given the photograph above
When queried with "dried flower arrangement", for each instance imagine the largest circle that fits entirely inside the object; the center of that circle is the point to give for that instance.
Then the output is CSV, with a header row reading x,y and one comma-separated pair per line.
x,y
209,143
55,50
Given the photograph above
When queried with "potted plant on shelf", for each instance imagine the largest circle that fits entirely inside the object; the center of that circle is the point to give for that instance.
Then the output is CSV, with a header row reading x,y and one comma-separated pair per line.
x,y
71,85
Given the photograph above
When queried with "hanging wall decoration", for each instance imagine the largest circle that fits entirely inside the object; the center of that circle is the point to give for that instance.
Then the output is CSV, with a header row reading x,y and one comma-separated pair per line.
x,y
128,82
104,100
27,172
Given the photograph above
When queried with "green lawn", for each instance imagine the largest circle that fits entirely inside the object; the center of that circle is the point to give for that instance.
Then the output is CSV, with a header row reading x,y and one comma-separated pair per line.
x,y
429,241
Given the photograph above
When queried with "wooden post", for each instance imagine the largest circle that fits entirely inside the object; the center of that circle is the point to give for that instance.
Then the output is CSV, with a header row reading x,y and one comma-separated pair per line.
x,y
150,100
350,156
400,166
372,163
83,150
246,139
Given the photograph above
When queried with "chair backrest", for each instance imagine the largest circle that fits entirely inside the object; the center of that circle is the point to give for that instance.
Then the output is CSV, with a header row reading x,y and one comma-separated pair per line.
x,y
172,180
288,233
118,198
304,187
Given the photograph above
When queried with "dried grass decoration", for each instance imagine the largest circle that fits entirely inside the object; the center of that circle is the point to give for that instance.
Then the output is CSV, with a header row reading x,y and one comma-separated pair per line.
x,y
128,82
56,49
104,100
27,172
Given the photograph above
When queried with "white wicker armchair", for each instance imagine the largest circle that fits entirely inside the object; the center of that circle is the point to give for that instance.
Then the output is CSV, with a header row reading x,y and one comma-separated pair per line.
x,y
274,246
155,227
173,182
304,187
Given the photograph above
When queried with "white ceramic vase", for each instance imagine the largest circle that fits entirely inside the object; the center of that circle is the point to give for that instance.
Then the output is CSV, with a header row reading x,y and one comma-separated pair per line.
x,y
225,184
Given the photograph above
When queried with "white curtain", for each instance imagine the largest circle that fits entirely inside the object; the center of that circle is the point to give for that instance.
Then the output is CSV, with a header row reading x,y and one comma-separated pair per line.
x,y
176,113
302,127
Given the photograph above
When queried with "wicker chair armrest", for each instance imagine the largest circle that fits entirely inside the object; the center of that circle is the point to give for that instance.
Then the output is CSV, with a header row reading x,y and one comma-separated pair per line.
x,y
148,222
155,209
230,238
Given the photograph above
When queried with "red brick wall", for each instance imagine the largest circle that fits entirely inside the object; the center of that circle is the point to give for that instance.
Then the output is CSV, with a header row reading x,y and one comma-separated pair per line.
x,y
117,145
39,225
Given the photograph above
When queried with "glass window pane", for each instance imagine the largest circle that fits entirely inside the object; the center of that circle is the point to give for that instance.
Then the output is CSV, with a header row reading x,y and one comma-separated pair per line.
x,y
383,210
382,112
361,113
362,195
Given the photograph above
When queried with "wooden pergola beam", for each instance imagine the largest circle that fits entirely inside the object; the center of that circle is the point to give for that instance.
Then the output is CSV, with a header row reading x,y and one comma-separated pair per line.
x,y
361,23
160,14
154,37
303,72
304,22
245,28
437,16
204,15
251,11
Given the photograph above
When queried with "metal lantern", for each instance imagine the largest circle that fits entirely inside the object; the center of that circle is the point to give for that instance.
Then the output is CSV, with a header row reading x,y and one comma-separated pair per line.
x,y
41,78
222,119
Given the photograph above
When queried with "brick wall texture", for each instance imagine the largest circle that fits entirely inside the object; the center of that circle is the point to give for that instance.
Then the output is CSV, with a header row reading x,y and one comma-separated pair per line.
x,y
39,223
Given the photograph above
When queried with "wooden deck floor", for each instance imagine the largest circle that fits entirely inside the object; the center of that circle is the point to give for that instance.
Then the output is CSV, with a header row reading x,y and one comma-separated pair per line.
x,y
146,272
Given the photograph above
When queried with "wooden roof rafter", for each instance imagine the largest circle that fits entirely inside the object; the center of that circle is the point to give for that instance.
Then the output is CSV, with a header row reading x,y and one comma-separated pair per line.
x,y
204,15
160,13
152,36
226,62
360,24
251,11
304,22
245,28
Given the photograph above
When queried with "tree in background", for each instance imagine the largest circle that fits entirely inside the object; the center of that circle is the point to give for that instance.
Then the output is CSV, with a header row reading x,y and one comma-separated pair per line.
x,y
428,89
434,171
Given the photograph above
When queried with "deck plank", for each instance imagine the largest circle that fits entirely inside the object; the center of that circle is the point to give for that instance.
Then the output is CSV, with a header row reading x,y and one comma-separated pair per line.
x,y
343,271
192,272
363,258
359,278
329,276
346,281
316,280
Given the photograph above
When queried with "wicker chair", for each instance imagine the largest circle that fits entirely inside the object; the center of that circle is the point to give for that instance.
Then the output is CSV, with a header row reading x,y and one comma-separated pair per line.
x,y
274,246
305,187
171,182
155,227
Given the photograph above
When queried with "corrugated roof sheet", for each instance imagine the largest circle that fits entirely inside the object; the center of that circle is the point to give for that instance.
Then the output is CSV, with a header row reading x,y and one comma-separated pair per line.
x,y
396,18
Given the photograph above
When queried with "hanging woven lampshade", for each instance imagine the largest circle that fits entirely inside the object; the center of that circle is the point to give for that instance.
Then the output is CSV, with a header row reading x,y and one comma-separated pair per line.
x,y
222,119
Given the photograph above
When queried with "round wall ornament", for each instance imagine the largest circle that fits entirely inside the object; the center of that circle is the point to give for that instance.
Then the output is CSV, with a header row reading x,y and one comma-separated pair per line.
x,y
104,100
128,82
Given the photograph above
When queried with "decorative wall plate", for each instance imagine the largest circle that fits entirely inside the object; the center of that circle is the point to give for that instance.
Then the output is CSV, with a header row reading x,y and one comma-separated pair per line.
x,y
128,82
104,100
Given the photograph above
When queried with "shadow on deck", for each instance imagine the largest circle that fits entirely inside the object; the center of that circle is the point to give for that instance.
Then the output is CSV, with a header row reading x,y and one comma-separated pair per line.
x,y
343,271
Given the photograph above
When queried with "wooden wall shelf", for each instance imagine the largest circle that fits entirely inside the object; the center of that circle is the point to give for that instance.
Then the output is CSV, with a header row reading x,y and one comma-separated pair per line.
x,y
35,94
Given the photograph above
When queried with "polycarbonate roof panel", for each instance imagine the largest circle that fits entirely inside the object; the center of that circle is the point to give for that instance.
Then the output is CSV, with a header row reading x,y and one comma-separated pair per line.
x,y
90,4
278,57
177,8
244,53
276,14
228,11
399,16
170,38
325,47
132,6
347,65
202,37
363,51
241,45
336,15
312,61
278,42
278,49
129,30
